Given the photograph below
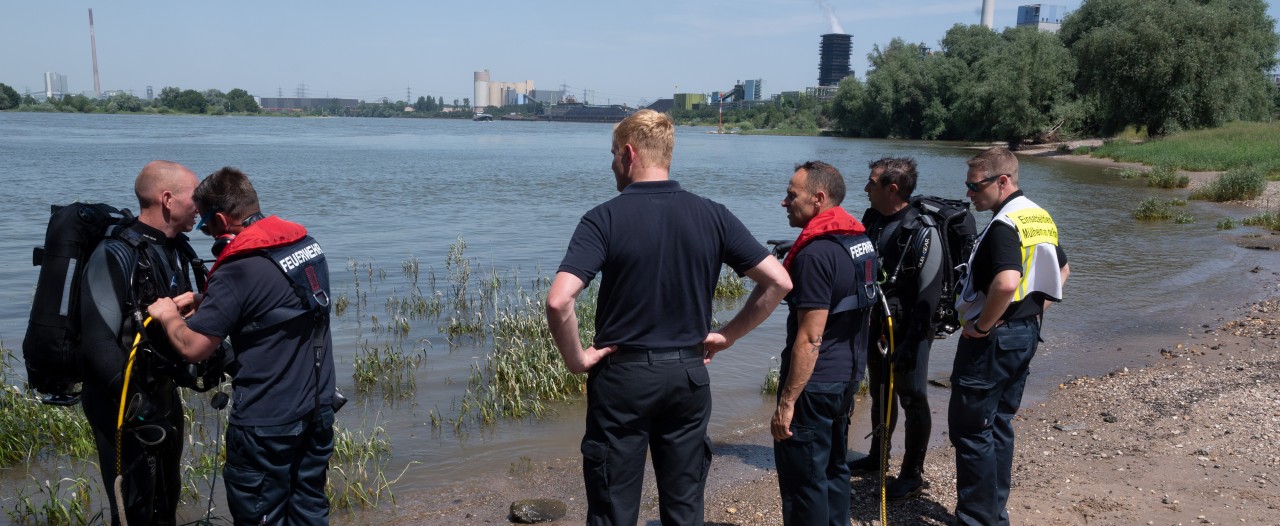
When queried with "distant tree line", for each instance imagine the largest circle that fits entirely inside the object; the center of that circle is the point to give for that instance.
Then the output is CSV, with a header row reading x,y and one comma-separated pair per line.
x,y
1157,65
800,114
170,100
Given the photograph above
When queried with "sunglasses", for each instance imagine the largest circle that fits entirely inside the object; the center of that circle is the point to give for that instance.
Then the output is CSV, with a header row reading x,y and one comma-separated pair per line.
x,y
976,186
203,226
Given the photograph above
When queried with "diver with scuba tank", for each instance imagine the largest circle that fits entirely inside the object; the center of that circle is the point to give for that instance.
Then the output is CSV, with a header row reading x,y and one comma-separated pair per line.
x,y
911,255
138,432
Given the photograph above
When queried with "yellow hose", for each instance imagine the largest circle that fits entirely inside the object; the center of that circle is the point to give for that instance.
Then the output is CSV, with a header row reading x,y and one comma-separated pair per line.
x,y
885,436
124,397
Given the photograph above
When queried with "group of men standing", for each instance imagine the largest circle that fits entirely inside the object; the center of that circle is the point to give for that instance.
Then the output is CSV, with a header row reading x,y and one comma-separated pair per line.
x,y
659,249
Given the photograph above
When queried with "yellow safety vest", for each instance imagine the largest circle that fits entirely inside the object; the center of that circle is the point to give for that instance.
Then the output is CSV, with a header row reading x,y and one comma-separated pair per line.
x,y
1041,271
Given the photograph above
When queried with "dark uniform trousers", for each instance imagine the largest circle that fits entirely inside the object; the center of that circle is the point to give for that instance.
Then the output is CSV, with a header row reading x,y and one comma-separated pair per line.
x,y
655,400
813,476
987,381
277,474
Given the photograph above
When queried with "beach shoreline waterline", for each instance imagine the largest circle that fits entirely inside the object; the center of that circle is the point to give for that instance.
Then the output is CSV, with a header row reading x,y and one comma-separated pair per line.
x,y
1067,470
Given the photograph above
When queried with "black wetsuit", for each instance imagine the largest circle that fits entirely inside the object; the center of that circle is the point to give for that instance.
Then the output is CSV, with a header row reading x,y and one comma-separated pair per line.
x,y
114,285
913,297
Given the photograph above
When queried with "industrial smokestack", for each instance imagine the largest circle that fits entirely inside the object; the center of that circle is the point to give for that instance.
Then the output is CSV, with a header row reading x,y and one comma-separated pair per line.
x,y
93,45
989,13
831,16
833,59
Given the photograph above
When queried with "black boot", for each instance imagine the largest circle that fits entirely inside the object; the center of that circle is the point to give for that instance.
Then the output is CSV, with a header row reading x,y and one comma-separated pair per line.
x,y
910,481
869,464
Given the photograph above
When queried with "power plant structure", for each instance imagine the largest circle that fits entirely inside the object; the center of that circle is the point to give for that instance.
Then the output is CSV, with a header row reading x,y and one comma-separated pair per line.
x,y
989,13
833,58
93,46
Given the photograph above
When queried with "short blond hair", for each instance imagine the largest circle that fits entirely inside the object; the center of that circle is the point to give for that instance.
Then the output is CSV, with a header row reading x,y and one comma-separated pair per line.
x,y
996,160
650,133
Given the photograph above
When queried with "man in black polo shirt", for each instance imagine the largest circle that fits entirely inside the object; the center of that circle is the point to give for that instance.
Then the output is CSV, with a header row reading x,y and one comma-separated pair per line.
x,y
660,250
831,263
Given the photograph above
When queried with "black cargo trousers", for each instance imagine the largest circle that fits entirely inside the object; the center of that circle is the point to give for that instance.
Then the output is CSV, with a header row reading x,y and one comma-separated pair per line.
x,y
656,400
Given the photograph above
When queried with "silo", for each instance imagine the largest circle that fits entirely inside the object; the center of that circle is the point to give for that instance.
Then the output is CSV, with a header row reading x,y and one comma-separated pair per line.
x,y
481,98
833,59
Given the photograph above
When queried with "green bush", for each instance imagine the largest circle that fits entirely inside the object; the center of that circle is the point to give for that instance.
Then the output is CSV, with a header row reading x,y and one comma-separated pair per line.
x,y
1129,173
1083,150
1226,223
1167,177
1238,184
1269,220
1153,208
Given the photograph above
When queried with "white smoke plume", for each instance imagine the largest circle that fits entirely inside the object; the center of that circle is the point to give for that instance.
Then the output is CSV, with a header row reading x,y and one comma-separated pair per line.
x,y
831,16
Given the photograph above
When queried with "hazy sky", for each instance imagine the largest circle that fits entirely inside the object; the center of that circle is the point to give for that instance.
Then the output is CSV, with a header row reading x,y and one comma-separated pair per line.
x,y
622,51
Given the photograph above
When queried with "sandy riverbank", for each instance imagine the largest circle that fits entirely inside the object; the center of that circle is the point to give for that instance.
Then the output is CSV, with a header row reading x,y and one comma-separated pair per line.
x,y
1193,438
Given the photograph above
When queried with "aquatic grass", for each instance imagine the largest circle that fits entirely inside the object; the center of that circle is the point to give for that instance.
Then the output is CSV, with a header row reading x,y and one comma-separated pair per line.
x,y
465,325
1129,173
1226,223
340,304
459,268
1165,176
416,306
1184,218
1269,220
387,367
1153,208
64,502
730,285
1238,184
30,429
205,452
1235,145
771,378
525,371
357,476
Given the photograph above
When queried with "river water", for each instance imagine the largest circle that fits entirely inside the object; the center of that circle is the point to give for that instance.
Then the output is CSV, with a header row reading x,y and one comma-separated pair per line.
x,y
381,192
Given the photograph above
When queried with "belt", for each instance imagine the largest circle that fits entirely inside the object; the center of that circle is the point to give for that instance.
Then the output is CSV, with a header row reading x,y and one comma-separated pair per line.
x,y
633,354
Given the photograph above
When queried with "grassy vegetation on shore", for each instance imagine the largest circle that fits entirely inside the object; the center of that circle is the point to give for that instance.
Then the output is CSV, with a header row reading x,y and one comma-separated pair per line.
x,y
1236,145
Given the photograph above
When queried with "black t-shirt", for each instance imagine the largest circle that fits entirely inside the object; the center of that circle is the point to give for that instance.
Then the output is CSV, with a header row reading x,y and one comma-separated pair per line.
x,y
1000,250
276,383
659,250
822,274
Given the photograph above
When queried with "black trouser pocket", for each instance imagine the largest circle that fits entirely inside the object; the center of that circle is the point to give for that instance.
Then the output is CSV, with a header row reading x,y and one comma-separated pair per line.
x,y
595,469
795,457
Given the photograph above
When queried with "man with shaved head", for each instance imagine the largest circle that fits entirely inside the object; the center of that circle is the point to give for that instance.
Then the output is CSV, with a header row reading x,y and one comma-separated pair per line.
x,y
137,263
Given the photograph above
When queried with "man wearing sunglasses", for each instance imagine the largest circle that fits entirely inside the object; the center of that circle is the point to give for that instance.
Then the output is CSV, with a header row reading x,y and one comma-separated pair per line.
x,y
275,310
1017,268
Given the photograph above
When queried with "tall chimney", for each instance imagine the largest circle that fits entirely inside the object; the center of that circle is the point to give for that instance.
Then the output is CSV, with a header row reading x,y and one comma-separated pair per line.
x,y
93,45
989,13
